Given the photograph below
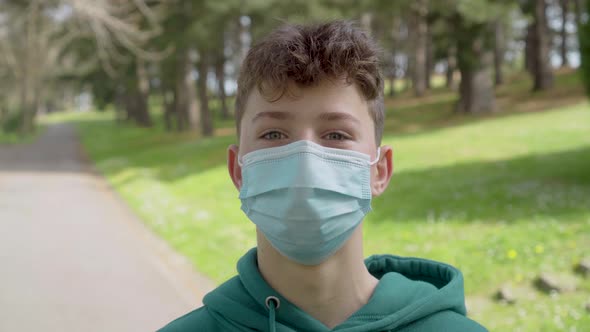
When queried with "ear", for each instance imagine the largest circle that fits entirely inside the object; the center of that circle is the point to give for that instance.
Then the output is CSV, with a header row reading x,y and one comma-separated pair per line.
x,y
235,171
383,171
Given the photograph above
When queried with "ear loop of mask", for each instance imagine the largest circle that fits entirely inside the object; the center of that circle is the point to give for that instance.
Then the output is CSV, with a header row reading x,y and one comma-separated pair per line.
x,y
241,164
378,157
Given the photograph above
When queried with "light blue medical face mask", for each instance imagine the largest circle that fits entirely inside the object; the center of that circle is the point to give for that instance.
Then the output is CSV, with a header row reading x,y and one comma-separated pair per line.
x,y
305,198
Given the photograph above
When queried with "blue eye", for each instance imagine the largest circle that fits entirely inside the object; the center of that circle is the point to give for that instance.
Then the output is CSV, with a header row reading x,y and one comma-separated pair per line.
x,y
273,135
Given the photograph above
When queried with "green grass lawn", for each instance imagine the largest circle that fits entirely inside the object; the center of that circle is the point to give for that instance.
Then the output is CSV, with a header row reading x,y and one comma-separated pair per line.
x,y
503,197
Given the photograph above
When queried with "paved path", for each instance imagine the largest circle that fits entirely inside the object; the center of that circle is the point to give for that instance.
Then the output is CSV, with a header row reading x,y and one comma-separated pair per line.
x,y
72,256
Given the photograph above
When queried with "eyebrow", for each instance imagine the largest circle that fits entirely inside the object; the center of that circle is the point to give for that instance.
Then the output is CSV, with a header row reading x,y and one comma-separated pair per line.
x,y
273,115
335,116
327,116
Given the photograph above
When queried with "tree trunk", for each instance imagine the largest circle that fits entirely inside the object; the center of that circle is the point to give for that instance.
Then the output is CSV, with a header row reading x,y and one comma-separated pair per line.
x,y
130,107
530,49
185,103
142,112
119,103
183,77
220,75
475,61
543,76
498,53
419,30
206,119
168,108
3,113
392,85
584,46
429,57
25,98
29,70
451,65
476,89
564,4
27,117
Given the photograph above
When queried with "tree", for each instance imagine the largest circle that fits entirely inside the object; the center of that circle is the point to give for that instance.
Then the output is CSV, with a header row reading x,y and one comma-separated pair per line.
x,y
584,39
226,26
136,95
474,59
390,28
537,47
498,52
472,31
442,46
418,29
36,35
29,46
220,77
564,7
181,110
197,30
451,66
206,119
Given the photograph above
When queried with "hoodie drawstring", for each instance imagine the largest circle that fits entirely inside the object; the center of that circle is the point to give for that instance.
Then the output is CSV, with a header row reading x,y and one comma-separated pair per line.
x,y
273,304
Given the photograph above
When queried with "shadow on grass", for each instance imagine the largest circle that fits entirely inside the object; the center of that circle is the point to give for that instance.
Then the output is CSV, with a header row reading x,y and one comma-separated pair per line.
x,y
525,188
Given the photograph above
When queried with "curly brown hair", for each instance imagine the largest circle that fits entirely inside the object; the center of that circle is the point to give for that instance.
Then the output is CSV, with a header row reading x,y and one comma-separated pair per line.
x,y
306,55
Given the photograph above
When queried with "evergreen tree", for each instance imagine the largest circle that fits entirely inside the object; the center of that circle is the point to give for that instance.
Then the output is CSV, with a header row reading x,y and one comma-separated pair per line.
x,y
584,37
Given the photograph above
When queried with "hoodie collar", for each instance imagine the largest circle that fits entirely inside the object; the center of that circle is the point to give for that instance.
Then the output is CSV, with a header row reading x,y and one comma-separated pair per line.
x,y
409,290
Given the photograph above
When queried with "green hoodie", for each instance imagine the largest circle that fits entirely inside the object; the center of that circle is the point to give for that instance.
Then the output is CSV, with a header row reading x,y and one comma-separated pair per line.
x,y
412,295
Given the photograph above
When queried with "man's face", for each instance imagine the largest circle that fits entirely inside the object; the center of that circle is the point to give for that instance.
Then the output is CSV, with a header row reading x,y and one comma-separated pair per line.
x,y
332,114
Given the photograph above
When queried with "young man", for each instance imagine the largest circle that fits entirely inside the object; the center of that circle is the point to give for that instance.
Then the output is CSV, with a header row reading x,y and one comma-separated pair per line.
x,y
310,113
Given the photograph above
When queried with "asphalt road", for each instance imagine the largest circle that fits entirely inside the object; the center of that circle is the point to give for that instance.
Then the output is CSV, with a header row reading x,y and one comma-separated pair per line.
x,y
73,257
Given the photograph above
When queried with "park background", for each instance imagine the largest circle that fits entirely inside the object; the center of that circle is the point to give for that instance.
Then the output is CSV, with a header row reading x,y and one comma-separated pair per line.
x,y
486,111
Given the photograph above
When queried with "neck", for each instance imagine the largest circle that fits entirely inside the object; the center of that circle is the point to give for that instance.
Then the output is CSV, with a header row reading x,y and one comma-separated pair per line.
x,y
331,291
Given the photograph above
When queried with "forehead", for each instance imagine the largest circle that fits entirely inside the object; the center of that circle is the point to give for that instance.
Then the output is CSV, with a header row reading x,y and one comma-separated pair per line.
x,y
310,101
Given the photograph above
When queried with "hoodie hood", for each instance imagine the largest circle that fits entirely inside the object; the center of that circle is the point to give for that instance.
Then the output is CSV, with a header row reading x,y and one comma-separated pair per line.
x,y
409,290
